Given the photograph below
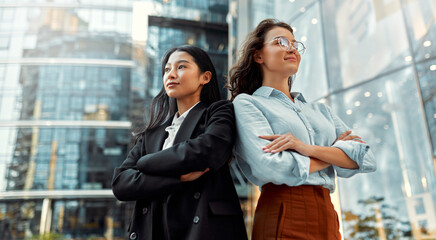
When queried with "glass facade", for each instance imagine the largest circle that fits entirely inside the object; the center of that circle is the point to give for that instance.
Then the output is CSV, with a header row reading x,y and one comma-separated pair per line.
x,y
75,79
374,63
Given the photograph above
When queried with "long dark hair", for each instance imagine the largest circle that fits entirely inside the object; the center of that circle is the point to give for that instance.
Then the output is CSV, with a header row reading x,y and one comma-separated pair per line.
x,y
246,75
162,107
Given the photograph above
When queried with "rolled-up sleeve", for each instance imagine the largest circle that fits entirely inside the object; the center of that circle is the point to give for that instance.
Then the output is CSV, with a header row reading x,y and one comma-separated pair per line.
x,y
359,152
285,167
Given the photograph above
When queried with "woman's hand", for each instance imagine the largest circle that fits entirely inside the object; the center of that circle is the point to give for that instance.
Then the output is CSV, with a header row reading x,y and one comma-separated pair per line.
x,y
346,136
192,175
288,141
284,142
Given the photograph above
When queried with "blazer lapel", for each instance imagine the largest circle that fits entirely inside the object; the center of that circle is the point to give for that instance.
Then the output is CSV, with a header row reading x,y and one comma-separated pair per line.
x,y
190,122
156,137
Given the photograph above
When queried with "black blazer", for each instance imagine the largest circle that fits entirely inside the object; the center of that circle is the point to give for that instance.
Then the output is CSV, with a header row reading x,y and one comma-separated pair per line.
x,y
207,208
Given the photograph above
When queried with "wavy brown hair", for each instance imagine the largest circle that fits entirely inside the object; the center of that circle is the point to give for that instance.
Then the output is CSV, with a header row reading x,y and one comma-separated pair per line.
x,y
246,75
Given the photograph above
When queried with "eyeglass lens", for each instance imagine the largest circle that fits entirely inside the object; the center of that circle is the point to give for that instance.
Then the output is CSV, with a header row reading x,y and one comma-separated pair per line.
x,y
286,44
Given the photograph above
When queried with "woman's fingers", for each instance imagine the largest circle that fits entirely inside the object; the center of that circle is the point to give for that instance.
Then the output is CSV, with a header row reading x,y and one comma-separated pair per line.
x,y
343,135
279,142
280,149
193,175
350,137
269,137
353,138
269,145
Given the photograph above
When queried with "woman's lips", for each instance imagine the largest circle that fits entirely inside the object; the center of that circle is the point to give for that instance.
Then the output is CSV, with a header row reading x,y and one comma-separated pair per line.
x,y
171,84
293,59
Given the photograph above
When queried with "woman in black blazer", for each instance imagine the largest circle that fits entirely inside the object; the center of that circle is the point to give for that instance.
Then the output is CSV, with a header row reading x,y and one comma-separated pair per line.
x,y
178,170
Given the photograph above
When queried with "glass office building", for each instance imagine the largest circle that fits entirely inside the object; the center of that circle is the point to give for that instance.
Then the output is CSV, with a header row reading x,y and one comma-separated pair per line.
x,y
76,78
374,63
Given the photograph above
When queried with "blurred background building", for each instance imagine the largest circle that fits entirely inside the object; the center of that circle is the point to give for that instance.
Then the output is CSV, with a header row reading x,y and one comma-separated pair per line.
x,y
76,77
374,63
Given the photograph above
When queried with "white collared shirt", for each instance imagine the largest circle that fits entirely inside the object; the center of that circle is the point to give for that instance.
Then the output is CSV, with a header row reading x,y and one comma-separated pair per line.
x,y
174,128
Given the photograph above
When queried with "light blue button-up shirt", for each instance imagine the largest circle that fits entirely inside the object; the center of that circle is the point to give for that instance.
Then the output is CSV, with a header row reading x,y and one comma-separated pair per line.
x,y
269,111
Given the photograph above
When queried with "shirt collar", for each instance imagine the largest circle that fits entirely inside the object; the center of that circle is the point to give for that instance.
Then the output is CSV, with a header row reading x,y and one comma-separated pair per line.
x,y
178,120
272,92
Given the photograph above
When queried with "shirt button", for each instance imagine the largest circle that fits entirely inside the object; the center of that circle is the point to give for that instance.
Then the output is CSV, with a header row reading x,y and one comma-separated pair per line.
x,y
197,195
133,236
144,210
196,219
298,110
310,129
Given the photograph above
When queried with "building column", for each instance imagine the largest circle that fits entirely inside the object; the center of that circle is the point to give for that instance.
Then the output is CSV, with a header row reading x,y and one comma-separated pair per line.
x,y
46,216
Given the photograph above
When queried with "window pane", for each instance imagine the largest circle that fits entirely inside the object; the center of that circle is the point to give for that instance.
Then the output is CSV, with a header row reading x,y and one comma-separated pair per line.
x,y
364,39
427,76
81,158
19,219
420,15
401,195
105,219
312,70
45,91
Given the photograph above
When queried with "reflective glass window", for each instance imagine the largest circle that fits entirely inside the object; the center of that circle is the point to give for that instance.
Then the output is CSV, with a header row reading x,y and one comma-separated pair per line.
x,y
85,158
427,76
78,219
401,193
420,15
312,72
363,39
19,219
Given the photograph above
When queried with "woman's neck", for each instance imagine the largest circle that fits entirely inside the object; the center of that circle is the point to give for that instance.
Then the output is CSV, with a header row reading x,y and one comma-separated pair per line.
x,y
278,82
184,105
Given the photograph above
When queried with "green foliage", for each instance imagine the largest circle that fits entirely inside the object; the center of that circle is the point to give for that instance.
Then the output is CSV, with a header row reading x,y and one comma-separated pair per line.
x,y
366,226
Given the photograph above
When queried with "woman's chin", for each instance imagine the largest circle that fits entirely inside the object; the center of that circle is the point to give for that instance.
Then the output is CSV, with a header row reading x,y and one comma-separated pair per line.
x,y
171,94
292,71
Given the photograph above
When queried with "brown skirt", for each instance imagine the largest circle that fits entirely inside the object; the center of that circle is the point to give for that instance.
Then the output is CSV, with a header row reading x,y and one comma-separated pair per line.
x,y
301,212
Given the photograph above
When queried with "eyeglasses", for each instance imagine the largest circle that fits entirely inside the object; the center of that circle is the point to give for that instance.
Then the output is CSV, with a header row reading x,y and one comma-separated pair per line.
x,y
288,45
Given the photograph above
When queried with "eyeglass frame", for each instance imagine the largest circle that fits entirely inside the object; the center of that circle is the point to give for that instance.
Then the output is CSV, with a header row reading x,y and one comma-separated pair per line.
x,y
290,46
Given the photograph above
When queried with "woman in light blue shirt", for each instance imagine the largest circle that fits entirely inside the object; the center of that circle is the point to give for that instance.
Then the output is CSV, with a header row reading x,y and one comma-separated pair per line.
x,y
289,147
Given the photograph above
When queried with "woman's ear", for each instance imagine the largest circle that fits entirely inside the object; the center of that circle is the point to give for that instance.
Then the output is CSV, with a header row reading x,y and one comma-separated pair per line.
x,y
206,77
257,57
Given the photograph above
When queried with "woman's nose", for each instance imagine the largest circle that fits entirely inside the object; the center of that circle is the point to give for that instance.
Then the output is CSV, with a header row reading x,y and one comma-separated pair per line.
x,y
292,49
171,74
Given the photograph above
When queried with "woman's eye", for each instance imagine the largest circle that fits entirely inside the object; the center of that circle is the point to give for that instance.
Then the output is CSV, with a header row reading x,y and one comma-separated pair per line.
x,y
181,66
167,70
